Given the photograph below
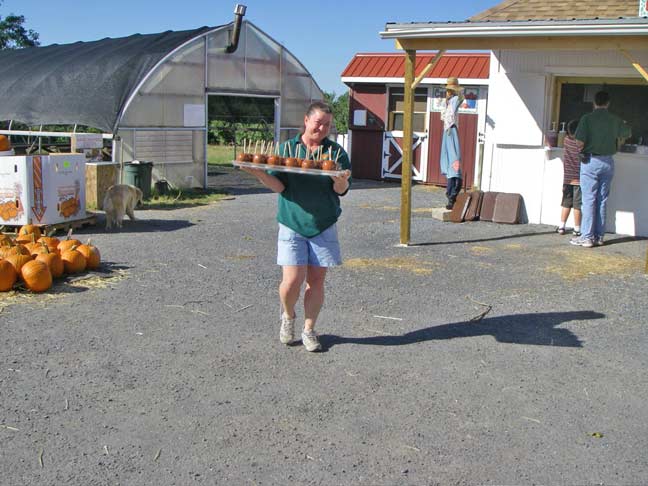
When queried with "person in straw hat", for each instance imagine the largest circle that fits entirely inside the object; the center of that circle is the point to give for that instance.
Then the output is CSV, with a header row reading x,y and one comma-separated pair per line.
x,y
450,150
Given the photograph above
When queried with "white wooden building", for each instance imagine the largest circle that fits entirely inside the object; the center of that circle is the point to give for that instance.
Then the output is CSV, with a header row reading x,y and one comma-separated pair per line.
x,y
545,71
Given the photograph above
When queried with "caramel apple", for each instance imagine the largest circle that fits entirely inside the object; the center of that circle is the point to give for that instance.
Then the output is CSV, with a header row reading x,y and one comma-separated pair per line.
x,y
307,164
328,165
259,159
243,157
274,160
291,162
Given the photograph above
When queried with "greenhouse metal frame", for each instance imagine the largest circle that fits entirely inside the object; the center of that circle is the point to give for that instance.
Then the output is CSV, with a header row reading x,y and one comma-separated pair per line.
x,y
149,93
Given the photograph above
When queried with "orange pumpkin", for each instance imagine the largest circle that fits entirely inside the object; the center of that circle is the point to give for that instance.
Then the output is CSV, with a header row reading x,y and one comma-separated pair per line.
x,y
4,143
18,261
15,250
67,244
29,229
32,246
37,249
53,261
91,254
73,260
5,240
51,242
36,275
7,276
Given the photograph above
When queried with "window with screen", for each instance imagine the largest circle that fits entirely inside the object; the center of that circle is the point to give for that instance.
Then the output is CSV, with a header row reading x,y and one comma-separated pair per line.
x,y
397,105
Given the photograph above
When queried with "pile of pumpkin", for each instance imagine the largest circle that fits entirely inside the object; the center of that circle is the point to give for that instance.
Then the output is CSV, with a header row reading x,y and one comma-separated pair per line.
x,y
35,260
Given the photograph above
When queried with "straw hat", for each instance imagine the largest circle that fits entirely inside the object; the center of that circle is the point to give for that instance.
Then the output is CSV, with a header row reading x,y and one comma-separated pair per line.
x,y
453,84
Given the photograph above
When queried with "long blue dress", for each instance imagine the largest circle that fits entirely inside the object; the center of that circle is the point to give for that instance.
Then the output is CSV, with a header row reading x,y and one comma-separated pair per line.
x,y
450,150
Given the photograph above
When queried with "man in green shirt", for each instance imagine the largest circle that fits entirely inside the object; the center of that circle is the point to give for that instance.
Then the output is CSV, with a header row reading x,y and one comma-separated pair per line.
x,y
598,133
309,206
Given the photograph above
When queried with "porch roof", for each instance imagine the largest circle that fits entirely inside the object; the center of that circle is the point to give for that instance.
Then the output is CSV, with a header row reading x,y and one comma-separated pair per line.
x,y
631,33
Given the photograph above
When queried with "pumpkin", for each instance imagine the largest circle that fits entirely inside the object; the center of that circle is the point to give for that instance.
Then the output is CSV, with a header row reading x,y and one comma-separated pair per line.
x,y
51,242
32,245
37,249
4,143
53,261
29,229
5,240
91,254
67,244
36,275
14,250
73,260
18,261
7,276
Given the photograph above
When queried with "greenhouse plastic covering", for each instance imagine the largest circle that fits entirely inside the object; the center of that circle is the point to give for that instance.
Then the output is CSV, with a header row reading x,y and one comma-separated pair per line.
x,y
84,83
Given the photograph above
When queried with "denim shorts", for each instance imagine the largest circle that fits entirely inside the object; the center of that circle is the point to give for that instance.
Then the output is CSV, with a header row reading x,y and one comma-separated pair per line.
x,y
322,250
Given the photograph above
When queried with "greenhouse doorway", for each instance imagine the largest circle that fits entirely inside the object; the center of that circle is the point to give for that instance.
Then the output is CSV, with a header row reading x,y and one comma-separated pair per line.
x,y
233,119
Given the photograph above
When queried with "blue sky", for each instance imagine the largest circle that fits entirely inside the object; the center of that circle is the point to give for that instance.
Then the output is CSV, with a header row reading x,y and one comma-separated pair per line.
x,y
323,35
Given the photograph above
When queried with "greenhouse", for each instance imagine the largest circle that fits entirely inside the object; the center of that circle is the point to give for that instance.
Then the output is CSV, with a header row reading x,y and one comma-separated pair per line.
x,y
149,94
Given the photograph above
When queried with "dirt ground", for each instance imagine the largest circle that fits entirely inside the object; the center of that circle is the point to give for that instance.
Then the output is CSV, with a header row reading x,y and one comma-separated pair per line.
x,y
481,354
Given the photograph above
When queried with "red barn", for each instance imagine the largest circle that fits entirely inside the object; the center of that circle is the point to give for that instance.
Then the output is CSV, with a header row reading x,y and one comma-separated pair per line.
x,y
376,114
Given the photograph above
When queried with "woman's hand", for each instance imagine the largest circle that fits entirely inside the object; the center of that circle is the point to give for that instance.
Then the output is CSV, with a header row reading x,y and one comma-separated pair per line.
x,y
341,182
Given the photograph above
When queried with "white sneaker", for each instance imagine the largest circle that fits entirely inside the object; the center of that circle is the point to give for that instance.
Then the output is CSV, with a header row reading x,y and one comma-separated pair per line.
x,y
287,330
582,241
311,343
599,241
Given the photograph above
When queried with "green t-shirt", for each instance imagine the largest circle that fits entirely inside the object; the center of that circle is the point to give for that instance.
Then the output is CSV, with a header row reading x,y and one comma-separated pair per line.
x,y
599,131
309,205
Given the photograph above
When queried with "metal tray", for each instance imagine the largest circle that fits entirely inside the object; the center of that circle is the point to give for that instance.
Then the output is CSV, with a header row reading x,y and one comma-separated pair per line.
x,y
294,170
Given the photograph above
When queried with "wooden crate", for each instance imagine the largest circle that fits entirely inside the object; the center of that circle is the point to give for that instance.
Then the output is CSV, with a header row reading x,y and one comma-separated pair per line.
x,y
99,177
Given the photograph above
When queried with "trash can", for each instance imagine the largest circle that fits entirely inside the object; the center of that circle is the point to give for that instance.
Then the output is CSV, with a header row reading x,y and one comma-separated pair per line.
x,y
138,174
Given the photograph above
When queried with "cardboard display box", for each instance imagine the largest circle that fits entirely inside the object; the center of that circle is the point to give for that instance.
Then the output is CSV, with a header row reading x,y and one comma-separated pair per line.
x,y
47,189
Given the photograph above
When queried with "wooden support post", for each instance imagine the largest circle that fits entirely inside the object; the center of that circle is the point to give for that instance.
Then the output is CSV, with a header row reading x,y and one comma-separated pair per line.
x,y
635,64
428,67
408,135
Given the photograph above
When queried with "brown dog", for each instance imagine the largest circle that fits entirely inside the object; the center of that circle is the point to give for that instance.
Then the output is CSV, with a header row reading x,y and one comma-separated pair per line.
x,y
120,200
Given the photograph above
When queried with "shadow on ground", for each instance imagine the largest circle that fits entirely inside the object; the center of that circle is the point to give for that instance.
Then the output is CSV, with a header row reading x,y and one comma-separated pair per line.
x,y
530,329
481,240
140,226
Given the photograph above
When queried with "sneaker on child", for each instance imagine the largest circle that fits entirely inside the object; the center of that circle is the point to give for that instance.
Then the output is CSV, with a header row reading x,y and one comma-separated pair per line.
x,y
287,330
560,230
310,340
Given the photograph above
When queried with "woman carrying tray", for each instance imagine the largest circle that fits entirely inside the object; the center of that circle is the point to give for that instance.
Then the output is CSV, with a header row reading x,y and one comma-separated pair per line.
x,y
308,210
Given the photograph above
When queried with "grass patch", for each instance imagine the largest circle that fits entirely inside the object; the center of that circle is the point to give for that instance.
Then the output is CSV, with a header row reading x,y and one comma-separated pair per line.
x,y
406,264
182,198
220,155
575,265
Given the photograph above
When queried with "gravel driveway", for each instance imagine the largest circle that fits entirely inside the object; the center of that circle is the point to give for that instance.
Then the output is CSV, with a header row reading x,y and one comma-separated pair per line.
x,y
481,354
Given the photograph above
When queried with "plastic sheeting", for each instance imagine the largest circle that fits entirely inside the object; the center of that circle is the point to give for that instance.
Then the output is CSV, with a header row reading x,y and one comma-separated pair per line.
x,y
84,83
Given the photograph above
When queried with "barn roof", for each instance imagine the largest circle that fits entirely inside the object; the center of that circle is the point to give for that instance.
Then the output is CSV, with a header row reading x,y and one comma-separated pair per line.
x,y
85,82
392,65
558,10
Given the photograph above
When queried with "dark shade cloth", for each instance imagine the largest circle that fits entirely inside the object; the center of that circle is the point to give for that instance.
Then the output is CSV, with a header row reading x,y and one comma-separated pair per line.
x,y
84,83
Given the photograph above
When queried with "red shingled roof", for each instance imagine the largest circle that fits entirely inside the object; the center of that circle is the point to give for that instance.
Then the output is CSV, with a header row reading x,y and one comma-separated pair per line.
x,y
462,65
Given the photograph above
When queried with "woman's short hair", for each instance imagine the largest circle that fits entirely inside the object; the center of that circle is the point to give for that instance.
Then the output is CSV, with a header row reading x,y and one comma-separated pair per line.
x,y
319,106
